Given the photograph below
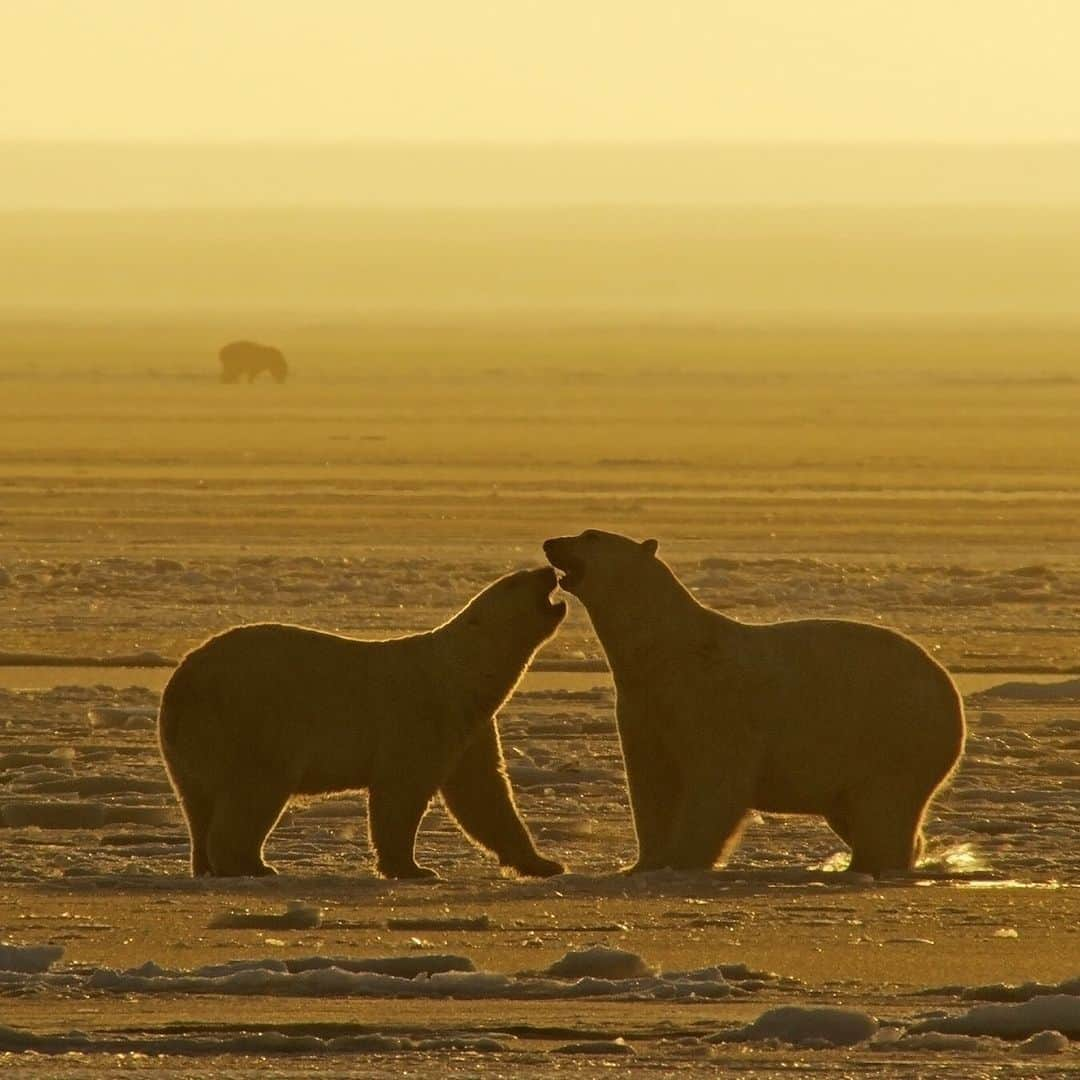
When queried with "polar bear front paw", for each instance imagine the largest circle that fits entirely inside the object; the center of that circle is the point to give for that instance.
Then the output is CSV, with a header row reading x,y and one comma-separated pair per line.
x,y
408,872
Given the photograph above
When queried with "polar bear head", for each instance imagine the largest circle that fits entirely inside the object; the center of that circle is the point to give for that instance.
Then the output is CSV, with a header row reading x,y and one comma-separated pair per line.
x,y
596,564
516,611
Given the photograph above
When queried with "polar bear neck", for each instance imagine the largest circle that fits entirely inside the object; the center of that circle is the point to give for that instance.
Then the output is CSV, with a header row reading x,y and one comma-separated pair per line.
x,y
640,627
478,669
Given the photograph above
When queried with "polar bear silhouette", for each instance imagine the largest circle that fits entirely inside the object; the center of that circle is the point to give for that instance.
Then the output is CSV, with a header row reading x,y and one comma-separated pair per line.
x,y
264,712
845,719
246,359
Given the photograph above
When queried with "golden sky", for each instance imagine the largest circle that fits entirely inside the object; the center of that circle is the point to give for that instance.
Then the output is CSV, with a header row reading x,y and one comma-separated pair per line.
x,y
540,70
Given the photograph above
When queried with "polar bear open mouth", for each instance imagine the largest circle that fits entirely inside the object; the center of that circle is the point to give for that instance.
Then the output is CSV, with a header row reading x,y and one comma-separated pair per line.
x,y
571,572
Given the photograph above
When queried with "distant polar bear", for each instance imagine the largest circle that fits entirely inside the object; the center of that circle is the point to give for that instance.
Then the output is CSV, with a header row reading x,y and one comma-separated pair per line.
x,y
844,719
264,712
248,359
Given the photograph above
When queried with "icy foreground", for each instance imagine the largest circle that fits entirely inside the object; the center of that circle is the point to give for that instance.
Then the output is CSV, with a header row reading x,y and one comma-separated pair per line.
x,y
969,960
1044,1024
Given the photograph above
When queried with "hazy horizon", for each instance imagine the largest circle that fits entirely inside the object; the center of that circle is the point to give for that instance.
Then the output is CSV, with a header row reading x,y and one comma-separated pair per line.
x,y
57,174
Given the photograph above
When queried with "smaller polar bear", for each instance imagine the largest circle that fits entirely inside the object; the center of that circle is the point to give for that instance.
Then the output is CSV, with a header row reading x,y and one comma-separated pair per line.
x,y
261,713
248,359
716,717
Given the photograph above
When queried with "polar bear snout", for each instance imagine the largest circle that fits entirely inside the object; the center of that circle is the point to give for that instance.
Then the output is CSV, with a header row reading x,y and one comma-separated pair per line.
x,y
549,582
570,566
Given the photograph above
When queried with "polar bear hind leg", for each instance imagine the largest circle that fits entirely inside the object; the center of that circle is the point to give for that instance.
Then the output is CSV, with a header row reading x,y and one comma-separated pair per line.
x,y
239,826
395,811
198,810
883,828
708,822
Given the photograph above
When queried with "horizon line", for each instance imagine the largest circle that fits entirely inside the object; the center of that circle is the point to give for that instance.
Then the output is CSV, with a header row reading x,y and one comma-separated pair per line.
x,y
388,142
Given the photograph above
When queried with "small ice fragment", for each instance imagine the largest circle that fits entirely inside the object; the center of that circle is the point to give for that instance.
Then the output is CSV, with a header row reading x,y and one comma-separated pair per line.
x,y
403,967
1006,932
296,916
597,1047
600,962
1044,1042
936,1040
114,718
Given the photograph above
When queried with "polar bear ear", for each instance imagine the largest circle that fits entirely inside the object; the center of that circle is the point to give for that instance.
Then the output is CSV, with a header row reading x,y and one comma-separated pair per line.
x,y
650,546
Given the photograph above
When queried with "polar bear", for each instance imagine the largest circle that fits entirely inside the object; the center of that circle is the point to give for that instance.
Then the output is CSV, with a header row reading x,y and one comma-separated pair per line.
x,y
249,359
716,717
263,712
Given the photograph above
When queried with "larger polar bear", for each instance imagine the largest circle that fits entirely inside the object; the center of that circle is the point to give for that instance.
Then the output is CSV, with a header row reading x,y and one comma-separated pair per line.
x,y
716,717
261,713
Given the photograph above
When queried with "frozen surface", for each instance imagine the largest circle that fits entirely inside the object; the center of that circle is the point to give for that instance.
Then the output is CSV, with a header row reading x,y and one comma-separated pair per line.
x,y
139,514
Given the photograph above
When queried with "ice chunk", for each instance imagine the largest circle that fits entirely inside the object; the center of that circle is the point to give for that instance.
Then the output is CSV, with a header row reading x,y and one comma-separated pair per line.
x,y
823,1025
600,962
1030,691
114,718
596,1048
1044,1042
937,1041
1023,992
1055,1012
59,759
296,916
29,959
